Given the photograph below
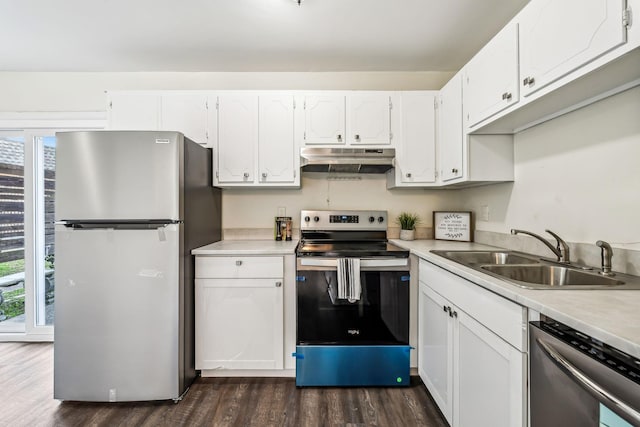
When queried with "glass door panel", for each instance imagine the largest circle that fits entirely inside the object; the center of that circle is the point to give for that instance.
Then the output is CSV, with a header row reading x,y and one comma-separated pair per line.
x,y
45,218
12,233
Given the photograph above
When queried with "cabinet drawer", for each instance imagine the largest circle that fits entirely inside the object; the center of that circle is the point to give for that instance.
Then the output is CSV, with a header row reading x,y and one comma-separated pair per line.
x,y
239,267
503,317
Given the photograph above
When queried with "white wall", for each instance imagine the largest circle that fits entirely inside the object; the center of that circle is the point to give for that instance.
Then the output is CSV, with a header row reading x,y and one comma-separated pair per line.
x,y
256,208
31,91
577,175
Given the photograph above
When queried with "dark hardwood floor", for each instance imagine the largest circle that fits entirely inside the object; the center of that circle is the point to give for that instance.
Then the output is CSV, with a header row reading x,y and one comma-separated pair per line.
x,y
26,399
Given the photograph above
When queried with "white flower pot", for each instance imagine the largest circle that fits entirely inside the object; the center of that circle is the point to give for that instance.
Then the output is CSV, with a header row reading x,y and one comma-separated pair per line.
x,y
407,234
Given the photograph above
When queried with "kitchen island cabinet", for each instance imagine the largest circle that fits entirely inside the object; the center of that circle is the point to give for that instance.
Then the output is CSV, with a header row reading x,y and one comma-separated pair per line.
x,y
245,308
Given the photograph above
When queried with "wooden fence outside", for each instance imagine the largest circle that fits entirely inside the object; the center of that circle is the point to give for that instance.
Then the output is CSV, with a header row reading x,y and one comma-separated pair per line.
x,y
12,211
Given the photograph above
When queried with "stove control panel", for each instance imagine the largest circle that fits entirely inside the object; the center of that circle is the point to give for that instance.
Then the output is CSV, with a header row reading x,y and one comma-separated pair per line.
x,y
343,220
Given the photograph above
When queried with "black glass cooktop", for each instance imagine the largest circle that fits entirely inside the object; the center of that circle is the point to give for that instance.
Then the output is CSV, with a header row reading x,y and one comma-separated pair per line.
x,y
351,249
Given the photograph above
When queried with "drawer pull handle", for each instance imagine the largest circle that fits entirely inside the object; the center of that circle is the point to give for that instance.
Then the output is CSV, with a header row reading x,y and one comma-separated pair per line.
x,y
238,262
278,284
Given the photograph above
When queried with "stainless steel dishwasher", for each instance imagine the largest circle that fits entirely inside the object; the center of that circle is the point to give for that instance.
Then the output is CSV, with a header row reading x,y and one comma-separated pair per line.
x,y
576,380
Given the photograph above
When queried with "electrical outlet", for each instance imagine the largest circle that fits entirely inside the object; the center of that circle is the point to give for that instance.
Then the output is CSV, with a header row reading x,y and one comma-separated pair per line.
x,y
282,211
484,213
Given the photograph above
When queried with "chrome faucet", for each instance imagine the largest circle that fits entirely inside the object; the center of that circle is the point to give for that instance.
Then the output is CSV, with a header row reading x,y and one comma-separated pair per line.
x,y
606,254
561,250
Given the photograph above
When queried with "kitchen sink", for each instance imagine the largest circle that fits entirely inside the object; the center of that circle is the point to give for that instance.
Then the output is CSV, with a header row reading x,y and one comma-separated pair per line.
x,y
487,257
551,276
532,272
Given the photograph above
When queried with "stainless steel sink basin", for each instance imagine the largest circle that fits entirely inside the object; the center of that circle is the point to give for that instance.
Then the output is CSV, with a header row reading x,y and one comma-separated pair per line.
x,y
551,276
487,257
531,272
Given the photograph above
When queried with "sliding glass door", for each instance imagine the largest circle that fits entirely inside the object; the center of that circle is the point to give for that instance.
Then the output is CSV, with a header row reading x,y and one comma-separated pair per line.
x,y
27,255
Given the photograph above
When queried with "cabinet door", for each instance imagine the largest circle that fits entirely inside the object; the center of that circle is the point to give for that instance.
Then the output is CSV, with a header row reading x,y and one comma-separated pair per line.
x,y
239,324
134,111
237,138
277,151
416,160
451,138
557,37
435,351
369,119
324,119
186,113
488,377
491,77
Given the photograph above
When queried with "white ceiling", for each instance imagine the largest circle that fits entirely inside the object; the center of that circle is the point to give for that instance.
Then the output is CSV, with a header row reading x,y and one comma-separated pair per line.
x,y
246,35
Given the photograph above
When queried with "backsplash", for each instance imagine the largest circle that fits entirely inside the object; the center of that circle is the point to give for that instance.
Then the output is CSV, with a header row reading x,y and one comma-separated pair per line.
x,y
624,260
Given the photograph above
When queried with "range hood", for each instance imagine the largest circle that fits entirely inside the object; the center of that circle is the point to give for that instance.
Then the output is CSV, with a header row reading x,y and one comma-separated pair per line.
x,y
347,160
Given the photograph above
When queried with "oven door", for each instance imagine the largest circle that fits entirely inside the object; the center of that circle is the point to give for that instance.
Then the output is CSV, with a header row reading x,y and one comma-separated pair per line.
x,y
380,317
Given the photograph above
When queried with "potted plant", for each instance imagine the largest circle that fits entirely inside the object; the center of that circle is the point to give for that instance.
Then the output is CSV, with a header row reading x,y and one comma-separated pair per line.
x,y
408,222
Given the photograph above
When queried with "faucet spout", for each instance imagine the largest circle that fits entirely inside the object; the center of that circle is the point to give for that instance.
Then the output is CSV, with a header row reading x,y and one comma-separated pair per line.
x,y
561,251
606,255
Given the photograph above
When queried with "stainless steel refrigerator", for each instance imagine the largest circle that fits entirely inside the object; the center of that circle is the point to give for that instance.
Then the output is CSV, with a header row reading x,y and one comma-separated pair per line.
x,y
130,206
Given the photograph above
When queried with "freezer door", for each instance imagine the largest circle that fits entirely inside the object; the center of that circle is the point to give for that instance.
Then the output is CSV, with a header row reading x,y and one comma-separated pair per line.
x,y
118,175
118,333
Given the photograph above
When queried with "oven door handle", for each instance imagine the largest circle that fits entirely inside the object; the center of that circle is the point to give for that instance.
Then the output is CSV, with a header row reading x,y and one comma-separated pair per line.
x,y
617,405
366,263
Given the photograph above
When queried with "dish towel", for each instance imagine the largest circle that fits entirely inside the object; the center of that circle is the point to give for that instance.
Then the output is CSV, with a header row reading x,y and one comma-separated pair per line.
x,y
348,272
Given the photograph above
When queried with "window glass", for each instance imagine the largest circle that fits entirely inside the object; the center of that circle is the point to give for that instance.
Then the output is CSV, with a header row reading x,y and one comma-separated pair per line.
x,y
12,234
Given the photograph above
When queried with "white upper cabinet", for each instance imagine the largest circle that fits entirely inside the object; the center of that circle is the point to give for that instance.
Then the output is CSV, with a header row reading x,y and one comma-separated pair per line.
x,y
491,77
369,119
237,138
557,37
451,139
347,118
186,113
133,111
415,141
276,139
324,119
256,140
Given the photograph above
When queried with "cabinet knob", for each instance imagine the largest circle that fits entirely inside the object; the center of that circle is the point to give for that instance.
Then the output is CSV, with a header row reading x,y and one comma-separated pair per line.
x,y
506,96
528,81
444,308
357,137
278,284
246,175
408,175
339,138
238,262
455,314
454,170
264,174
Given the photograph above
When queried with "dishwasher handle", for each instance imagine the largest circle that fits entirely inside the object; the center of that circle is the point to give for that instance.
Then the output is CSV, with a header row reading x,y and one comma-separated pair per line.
x,y
617,405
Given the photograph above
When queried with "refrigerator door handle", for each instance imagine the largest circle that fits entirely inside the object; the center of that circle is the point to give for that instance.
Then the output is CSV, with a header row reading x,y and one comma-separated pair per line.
x,y
118,225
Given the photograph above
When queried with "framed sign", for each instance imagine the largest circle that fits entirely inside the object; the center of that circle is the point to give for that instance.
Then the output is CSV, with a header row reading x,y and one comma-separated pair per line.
x,y
453,226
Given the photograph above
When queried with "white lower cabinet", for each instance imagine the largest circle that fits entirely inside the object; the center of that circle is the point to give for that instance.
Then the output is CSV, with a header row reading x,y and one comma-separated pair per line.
x,y
240,316
476,376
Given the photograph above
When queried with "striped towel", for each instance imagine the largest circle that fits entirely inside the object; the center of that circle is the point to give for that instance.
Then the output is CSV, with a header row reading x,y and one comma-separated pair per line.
x,y
348,272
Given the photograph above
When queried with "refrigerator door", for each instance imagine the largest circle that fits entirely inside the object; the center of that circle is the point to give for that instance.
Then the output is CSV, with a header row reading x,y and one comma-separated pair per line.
x,y
118,314
125,175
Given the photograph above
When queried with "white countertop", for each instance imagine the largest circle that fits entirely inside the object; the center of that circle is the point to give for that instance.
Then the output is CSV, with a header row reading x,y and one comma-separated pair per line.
x,y
612,316
248,247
